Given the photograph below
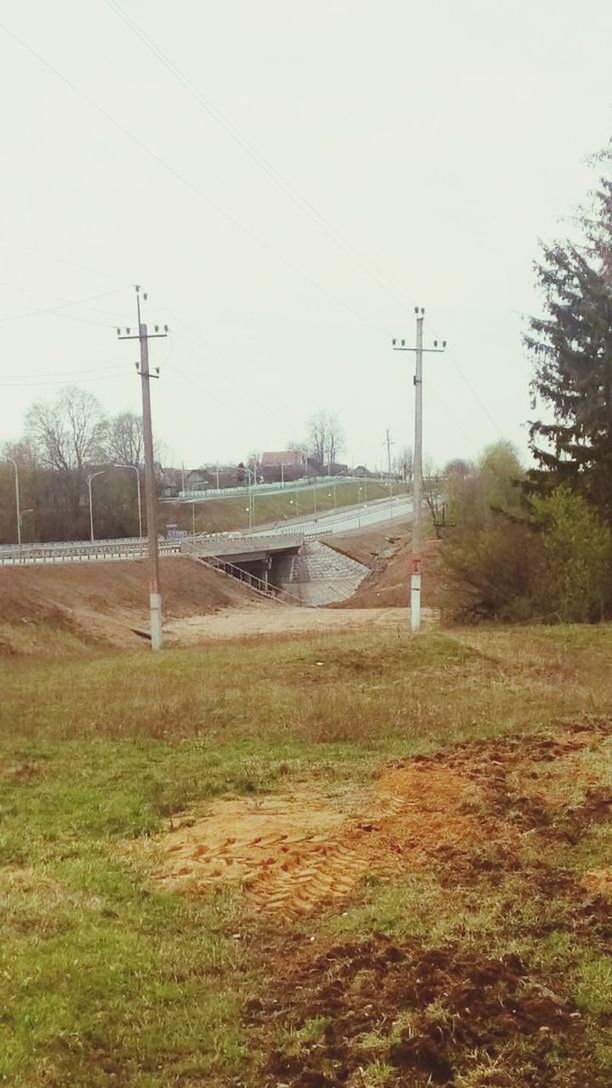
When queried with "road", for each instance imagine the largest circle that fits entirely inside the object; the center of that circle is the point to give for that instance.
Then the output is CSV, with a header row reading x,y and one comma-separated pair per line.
x,y
379,512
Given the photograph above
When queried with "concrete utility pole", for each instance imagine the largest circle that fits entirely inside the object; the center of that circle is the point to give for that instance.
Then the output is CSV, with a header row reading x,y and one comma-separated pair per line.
x,y
17,499
417,487
143,336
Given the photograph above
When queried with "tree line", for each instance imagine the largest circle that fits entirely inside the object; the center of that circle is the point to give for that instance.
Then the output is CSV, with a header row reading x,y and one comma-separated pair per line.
x,y
537,544
64,442
70,444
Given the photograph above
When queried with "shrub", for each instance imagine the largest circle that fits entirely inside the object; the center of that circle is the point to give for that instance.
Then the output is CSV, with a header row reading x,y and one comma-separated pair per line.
x,y
574,580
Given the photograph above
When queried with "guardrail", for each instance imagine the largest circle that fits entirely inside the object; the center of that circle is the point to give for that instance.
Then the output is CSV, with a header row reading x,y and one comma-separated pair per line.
x,y
31,555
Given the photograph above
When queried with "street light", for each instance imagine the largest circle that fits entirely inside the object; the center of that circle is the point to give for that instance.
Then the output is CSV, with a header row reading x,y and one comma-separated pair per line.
x,y
251,495
90,480
135,469
16,467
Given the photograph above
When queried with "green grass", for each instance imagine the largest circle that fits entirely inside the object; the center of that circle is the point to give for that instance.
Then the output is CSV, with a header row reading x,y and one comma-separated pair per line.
x,y
105,980
218,515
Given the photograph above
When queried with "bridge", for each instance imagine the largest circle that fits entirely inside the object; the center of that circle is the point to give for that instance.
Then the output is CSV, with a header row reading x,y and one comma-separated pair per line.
x,y
245,547
263,561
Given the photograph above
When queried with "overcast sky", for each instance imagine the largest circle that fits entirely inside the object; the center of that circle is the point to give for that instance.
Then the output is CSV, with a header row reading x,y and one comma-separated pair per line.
x,y
439,139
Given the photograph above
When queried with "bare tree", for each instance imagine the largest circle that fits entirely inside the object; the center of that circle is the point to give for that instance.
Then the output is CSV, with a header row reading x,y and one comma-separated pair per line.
x,y
125,439
69,433
325,437
403,463
433,495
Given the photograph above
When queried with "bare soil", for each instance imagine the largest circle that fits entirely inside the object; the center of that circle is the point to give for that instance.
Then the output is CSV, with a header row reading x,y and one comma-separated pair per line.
x,y
297,853
360,988
413,1013
102,603
389,558
418,1015
266,618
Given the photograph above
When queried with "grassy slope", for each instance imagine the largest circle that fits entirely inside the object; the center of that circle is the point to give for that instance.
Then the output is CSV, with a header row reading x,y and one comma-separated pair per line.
x,y
220,515
108,982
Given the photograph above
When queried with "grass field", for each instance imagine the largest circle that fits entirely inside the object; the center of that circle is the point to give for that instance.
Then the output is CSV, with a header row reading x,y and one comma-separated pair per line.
x,y
220,515
470,947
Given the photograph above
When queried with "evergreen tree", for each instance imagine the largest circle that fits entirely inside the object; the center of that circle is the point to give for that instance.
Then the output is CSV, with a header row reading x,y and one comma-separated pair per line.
x,y
572,351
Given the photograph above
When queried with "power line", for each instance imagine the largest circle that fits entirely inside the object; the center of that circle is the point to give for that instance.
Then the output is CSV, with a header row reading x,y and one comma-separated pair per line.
x,y
56,256
279,180
31,385
63,373
474,393
264,164
187,182
62,306
58,298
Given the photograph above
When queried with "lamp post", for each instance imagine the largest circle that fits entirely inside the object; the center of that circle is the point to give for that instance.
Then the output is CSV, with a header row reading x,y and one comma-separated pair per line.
x,y
135,469
251,507
17,501
90,480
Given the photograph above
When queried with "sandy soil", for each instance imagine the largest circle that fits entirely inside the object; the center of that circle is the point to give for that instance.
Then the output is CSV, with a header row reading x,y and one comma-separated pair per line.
x,y
270,619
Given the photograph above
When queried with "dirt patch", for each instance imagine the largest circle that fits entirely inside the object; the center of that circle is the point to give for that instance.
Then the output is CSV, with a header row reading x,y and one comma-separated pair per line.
x,y
423,1015
388,584
296,854
261,618
372,547
244,838
100,604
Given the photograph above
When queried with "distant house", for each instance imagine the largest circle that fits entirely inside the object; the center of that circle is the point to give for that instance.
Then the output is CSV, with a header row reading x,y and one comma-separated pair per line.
x,y
286,458
196,480
278,465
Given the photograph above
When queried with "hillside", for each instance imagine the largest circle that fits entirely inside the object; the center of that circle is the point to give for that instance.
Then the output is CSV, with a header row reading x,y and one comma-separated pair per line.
x,y
221,515
72,607
388,556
